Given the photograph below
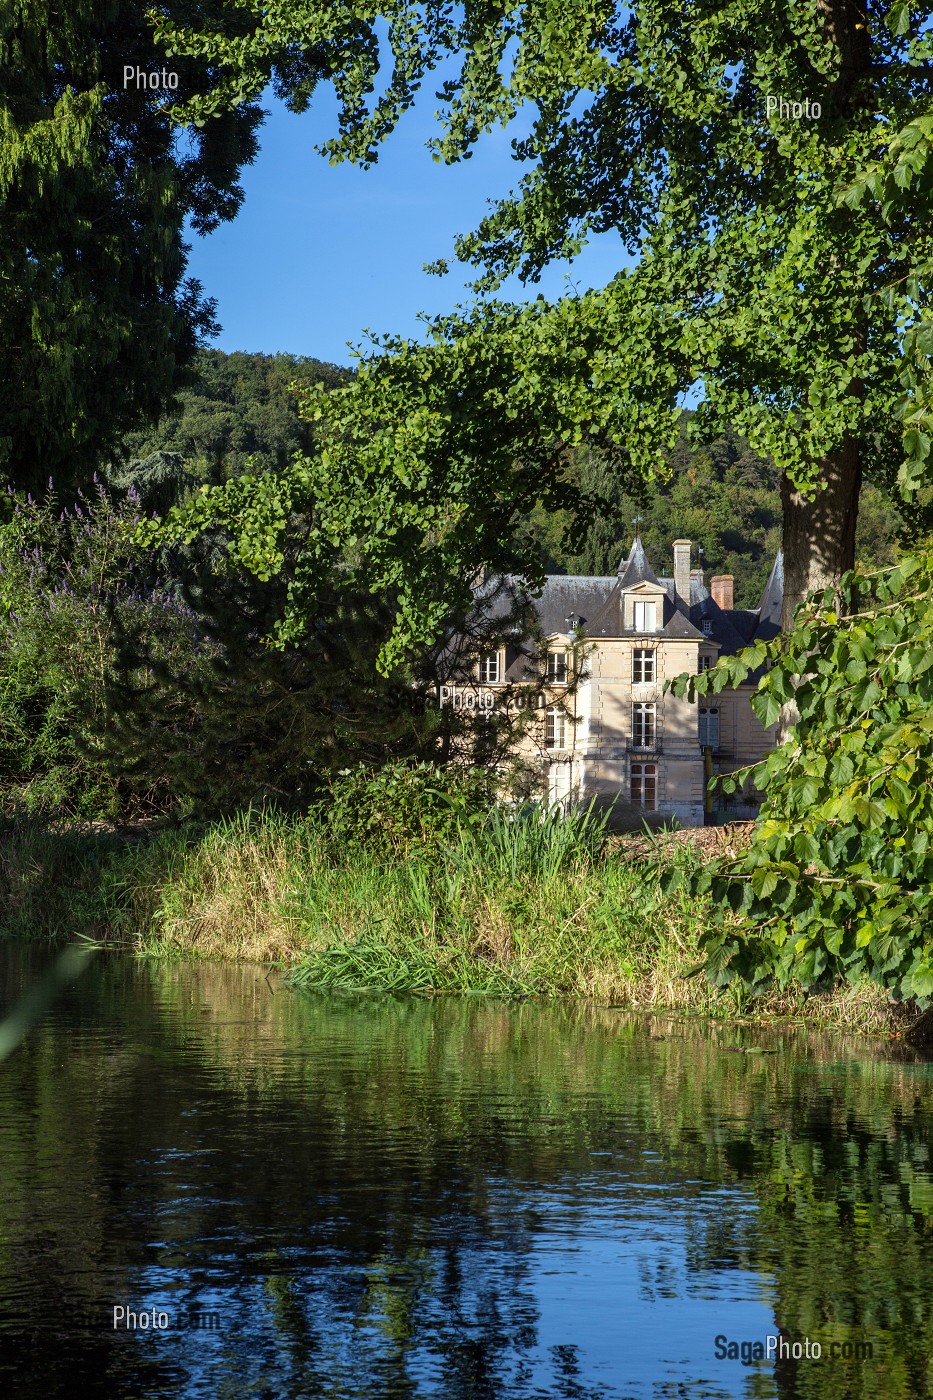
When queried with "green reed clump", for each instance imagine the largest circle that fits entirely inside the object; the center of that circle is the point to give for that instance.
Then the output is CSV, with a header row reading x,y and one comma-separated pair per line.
x,y
523,903
528,903
53,882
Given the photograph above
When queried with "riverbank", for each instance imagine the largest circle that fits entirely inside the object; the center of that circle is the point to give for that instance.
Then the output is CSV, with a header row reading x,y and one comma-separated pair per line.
x,y
512,909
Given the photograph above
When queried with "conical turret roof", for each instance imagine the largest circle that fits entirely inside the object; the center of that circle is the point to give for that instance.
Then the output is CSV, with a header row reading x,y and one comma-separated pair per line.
x,y
636,569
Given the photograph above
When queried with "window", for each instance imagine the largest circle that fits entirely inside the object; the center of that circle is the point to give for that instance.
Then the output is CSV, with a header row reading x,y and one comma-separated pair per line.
x,y
704,663
560,782
707,626
644,785
489,668
642,666
644,617
709,728
643,725
557,667
556,729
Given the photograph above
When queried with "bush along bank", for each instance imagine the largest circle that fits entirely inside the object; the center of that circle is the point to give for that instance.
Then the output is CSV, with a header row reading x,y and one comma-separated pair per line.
x,y
514,905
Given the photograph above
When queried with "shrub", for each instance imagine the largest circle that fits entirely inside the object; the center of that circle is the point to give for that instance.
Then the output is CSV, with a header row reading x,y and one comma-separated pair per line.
x,y
404,805
837,882
71,580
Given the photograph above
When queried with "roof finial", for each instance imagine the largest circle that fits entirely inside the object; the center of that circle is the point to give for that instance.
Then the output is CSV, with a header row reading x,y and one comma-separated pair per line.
x,y
637,523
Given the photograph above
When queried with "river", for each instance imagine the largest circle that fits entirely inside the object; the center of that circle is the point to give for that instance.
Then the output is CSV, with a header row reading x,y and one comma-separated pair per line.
x,y
368,1196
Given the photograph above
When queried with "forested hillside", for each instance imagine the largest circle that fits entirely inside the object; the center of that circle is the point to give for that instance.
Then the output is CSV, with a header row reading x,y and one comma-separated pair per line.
x,y
238,407
723,497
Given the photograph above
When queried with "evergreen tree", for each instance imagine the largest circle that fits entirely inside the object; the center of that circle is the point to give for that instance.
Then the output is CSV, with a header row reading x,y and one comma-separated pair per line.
x,y
249,724
97,180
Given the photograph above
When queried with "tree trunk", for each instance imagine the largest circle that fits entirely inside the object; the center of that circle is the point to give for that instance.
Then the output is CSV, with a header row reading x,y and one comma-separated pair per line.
x,y
819,540
819,535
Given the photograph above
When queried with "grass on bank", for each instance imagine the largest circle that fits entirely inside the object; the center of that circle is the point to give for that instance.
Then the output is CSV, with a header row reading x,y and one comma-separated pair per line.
x,y
509,908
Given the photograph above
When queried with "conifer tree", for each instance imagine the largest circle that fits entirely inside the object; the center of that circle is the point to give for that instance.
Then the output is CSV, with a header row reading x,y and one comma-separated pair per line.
x,y
97,179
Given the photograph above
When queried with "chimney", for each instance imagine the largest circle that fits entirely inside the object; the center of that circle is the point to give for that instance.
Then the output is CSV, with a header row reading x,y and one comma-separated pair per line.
x,y
721,589
682,575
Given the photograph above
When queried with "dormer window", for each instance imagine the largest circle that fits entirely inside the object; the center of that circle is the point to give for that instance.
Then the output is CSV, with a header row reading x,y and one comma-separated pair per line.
x,y
707,626
644,616
704,663
557,667
489,668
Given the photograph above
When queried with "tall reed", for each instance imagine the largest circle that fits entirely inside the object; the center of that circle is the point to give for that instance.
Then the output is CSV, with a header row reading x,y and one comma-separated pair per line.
x,y
523,904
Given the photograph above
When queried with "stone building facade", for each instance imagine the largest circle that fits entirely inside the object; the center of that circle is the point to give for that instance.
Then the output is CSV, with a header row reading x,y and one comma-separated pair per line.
x,y
610,731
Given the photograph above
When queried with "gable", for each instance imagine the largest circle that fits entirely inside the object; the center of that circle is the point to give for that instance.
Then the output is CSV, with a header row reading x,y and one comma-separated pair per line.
x,y
645,590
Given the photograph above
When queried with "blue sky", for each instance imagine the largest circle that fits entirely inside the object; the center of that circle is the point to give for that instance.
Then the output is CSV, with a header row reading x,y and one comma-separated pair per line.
x,y
320,253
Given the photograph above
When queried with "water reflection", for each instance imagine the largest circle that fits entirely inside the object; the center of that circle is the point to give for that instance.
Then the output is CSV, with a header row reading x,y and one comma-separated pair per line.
x,y
393,1198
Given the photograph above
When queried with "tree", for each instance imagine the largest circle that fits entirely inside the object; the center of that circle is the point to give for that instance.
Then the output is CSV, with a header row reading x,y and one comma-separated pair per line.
x,y
97,181
70,587
837,880
720,495
250,725
411,486
725,144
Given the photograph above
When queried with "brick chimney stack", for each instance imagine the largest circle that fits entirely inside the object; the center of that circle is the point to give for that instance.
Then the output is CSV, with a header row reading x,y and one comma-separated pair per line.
x,y
682,575
721,589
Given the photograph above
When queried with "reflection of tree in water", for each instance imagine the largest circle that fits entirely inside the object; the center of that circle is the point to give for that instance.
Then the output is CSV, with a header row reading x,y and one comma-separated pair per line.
x,y
385,1327
843,1227
454,1322
354,1184
326,1218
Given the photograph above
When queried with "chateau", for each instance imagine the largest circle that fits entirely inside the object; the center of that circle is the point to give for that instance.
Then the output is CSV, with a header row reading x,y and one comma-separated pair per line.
x,y
611,732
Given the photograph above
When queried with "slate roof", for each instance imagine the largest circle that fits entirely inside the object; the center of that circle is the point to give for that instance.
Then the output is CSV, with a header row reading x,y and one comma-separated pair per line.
x,y
772,601
680,628
636,569
723,631
594,602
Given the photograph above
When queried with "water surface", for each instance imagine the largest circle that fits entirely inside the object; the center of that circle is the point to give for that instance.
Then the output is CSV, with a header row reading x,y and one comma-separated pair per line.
x,y
377,1197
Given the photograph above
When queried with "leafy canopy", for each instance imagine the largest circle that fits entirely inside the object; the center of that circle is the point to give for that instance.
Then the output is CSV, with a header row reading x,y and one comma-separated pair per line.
x,y
413,486
759,277
721,496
